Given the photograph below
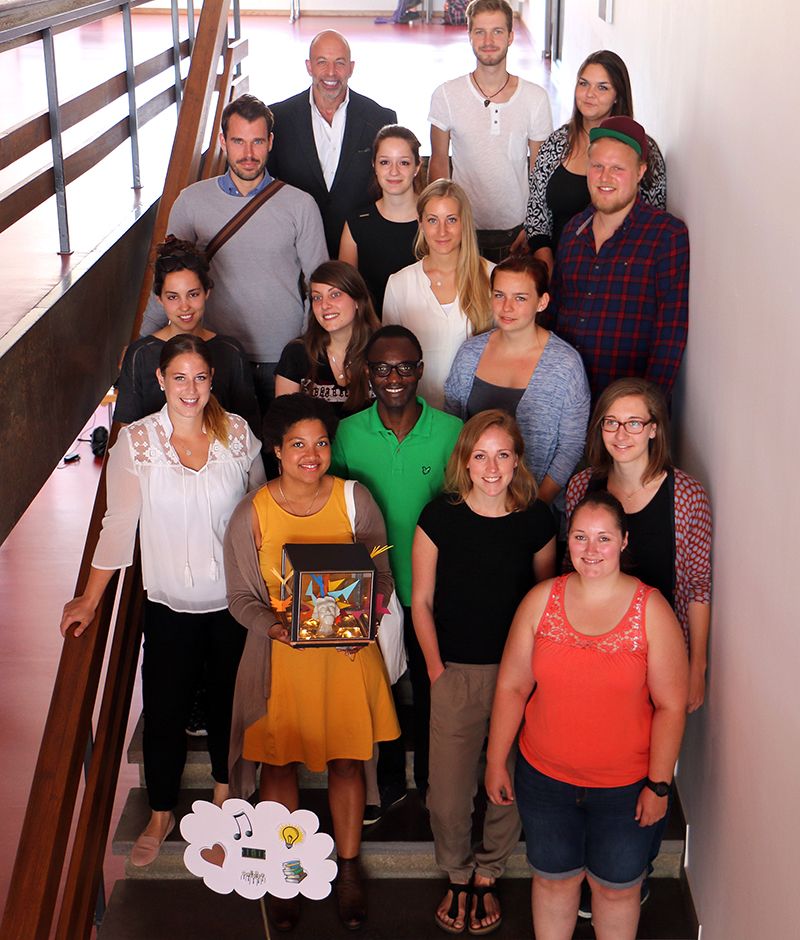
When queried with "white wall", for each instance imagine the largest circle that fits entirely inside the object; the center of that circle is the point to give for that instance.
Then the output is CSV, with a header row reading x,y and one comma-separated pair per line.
x,y
716,82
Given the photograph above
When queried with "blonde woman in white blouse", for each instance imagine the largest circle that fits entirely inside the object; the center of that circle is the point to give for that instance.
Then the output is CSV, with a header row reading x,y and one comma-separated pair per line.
x,y
177,475
445,297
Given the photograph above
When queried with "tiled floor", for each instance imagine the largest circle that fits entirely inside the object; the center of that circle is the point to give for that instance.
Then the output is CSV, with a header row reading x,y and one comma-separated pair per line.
x,y
39,560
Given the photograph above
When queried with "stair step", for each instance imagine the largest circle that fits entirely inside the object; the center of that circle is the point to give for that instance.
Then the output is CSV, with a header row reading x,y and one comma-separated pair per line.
x,y
398,908
400,845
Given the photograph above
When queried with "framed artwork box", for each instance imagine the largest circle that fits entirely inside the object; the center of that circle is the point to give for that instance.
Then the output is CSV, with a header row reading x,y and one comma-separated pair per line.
x,y
328,594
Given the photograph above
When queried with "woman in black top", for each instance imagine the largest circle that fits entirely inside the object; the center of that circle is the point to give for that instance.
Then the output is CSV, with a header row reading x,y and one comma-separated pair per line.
x,y
181,283
379,238
328,361
478,550
558,188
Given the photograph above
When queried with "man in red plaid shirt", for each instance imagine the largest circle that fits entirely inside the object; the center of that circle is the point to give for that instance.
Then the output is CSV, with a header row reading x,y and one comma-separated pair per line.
x,y
620,291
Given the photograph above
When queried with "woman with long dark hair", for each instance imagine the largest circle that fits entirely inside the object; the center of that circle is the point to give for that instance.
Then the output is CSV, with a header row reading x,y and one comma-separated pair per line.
x,y
558,184
667,511
378,239
327,361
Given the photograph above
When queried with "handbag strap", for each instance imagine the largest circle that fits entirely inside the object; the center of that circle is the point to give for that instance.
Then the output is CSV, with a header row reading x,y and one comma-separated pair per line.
x,y
350,502
232,226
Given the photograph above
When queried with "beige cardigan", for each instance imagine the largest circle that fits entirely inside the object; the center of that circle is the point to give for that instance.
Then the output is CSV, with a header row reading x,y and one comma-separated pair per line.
x,y
249,602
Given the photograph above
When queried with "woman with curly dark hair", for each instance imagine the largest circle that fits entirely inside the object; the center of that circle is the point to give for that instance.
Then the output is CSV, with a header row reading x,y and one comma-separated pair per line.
x,y
325,708
182,283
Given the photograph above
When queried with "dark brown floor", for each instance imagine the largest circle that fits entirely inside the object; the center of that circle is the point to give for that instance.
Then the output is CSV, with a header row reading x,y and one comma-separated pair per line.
x,y
398,909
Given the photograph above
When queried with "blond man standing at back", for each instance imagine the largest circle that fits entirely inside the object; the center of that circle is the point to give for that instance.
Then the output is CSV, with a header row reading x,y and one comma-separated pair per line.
x,y
496,123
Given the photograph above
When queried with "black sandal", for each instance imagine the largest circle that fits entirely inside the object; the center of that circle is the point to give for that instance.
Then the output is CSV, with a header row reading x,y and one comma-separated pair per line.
x,y
452,911
479,892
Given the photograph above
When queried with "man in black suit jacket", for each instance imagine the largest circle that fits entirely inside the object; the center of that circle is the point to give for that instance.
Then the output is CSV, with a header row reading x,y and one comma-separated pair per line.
x,y
325,149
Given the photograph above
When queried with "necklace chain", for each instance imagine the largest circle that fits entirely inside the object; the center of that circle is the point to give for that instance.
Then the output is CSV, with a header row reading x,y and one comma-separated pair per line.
x,y
294,511
487,99
182,443
335,364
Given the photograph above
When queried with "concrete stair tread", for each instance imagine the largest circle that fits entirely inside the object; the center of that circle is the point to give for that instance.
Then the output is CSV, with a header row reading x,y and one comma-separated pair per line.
x,y
400,845
398,908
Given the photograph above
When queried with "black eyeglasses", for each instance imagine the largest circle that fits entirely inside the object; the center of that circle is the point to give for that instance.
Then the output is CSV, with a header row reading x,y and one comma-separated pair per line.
x,y
634,426
384,369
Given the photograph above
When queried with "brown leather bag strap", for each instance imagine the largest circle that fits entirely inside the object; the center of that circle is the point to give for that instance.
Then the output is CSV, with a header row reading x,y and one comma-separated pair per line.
x,y
232,226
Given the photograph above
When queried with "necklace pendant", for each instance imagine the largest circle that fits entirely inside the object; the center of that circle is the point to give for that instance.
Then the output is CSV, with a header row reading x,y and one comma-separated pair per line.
x,y
188,452
486,103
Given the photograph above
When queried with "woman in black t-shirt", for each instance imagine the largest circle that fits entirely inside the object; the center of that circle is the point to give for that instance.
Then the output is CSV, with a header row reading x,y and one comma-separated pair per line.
x,y
327,361
478,550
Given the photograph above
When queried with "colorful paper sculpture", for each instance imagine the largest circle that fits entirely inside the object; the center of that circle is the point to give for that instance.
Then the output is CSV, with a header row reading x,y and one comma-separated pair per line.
x,y
328,594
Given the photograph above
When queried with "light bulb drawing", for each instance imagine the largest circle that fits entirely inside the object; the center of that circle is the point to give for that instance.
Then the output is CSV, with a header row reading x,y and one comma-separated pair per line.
x,y
290,835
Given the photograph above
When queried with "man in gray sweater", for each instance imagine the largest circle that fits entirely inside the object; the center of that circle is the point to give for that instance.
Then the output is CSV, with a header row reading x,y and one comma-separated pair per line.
x,y
256,296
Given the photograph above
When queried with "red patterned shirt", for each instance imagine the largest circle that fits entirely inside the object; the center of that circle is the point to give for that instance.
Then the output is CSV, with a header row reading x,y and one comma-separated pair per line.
x,y
691,536
625,308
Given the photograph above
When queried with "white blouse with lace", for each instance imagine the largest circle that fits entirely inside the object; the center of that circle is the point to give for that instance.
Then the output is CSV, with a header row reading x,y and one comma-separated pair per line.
x,y
182,513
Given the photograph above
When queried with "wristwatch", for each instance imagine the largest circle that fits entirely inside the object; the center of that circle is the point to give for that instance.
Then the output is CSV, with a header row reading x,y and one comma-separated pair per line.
x,y
660,789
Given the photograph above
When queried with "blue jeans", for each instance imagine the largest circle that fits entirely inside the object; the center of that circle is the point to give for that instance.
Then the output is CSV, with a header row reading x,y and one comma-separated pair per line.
x,y
570,830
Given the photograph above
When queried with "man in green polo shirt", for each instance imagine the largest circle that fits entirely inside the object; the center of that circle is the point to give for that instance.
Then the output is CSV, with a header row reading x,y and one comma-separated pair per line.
x,y
399,449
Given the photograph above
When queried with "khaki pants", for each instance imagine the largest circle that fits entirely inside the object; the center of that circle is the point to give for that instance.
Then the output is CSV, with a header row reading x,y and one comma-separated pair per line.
x,y
461,704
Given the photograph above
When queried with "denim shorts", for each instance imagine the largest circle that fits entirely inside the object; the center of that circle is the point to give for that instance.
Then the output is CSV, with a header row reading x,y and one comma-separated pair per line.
x,y
570,830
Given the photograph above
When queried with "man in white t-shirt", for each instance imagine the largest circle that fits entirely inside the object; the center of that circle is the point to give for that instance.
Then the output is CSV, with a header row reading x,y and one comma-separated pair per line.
x,y
496,122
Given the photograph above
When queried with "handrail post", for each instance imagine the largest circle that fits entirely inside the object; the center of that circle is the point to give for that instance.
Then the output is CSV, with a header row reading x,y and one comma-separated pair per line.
x,y
176,54
55,140
130,76
100,903
237,32
190,19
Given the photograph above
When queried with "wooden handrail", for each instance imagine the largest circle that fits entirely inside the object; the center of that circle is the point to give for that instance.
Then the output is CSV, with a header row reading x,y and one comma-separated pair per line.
x,y
39,867
184,164
91,835
234,54
22,198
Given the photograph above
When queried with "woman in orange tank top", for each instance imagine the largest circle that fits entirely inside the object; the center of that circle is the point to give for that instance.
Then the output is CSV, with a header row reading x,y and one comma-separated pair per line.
x,y
595,663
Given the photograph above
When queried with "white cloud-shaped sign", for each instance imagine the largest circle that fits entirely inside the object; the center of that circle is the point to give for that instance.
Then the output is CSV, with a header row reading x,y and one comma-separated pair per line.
x,y
254,849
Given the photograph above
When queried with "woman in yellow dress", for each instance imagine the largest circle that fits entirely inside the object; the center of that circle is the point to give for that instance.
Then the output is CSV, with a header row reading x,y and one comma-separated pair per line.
x,y
324,708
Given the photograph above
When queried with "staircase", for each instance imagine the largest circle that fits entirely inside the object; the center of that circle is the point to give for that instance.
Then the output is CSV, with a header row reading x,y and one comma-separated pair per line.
x,y
165,902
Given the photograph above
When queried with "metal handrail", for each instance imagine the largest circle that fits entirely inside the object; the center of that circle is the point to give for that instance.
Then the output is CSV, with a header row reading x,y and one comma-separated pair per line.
x,y
52,180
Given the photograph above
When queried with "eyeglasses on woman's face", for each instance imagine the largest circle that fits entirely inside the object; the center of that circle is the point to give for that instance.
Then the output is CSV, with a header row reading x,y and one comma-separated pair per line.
x,y
632,426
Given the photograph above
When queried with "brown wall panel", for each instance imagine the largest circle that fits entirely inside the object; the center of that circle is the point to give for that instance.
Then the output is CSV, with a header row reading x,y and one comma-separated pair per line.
x,y
57,364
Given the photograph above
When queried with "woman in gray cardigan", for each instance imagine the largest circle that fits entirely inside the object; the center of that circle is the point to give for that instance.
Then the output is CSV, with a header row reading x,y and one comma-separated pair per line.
x,y
529,372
